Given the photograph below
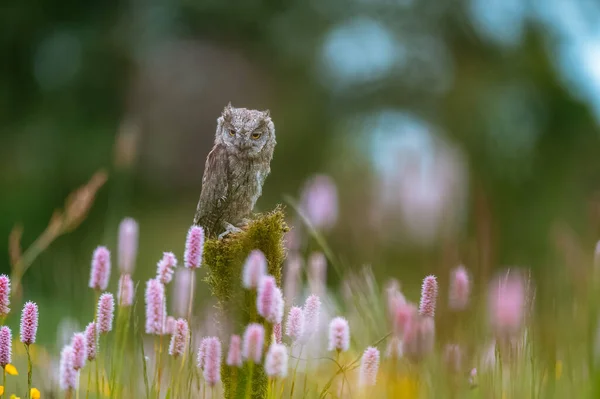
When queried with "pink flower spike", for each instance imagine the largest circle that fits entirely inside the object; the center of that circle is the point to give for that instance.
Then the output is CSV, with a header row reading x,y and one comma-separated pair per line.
x,y
180,338
292,269
91,339
254,340
459,289
156,307
507,304
5,346
170,325
80,347
194,245
128,245
453,358
234,355
428,296
312,309
29,323
277,333
404,315
419,338
67,374
4,295
317,272
394,297
166,267
276,362
369,366
125,291
202,352
254,269
266,299
100,273
319,202
294,327
212,361
106,313
339,335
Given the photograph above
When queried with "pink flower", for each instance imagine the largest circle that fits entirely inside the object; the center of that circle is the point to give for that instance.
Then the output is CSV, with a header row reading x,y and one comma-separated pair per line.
x,y
156,307
234,356
180,338
181,292
453,358
269,300
395,348
4,295
507,304
68,375
254,340
100,269
276,362
29,323
312,308
277,333
254,269
294,327
419,338
106,313
80,347
128,245
5,346
202,352
369,366
404,315
459,289
293,266
91,339
394,297
319,202
339,335
125,290
170,325
166,267
212,361
194,245
317,272
428,296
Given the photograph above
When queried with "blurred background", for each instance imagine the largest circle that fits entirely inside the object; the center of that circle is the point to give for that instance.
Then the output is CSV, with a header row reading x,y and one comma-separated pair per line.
x,y
427,133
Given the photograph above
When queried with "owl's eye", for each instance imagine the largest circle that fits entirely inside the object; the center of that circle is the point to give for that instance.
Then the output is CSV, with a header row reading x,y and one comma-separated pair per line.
x,y
231,132
256,135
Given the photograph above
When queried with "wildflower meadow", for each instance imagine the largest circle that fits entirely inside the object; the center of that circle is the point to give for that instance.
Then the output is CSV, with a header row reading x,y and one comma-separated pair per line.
x,y
280,331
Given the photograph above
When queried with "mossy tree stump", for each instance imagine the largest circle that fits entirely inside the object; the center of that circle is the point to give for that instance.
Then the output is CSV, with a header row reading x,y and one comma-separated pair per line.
x,y
224,260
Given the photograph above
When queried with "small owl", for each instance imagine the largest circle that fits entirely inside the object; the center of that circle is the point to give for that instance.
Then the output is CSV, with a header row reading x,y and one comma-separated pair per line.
x,y
235,170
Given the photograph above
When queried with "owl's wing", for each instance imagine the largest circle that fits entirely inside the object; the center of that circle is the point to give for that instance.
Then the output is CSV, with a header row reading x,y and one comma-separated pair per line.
x,y
213,196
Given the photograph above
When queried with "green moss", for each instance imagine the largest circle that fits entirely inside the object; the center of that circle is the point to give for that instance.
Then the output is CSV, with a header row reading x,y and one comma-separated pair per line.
x,y
224,260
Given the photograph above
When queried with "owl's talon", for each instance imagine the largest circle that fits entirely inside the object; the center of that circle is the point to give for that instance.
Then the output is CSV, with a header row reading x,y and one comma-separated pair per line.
x,y
229,229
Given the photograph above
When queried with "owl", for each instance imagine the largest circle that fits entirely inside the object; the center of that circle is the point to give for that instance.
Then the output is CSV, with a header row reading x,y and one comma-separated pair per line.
x,y
235,170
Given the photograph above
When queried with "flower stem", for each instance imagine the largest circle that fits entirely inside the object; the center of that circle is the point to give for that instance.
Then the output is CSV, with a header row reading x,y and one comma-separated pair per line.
x,y
295,370
29,371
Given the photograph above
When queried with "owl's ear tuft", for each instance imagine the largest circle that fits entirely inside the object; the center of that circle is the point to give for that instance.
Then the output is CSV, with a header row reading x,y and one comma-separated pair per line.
x,y
227,112
267,113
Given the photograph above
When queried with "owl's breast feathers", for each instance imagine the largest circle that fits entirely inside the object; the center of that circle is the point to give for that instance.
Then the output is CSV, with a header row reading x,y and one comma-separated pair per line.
x,y
230,188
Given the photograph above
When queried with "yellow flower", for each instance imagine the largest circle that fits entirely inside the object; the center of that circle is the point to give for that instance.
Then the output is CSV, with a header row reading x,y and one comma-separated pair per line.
x,y
1,390
35,393
10,369
13,396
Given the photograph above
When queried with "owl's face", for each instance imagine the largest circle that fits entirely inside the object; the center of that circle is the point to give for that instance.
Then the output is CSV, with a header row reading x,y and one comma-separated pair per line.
x,y
245,131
